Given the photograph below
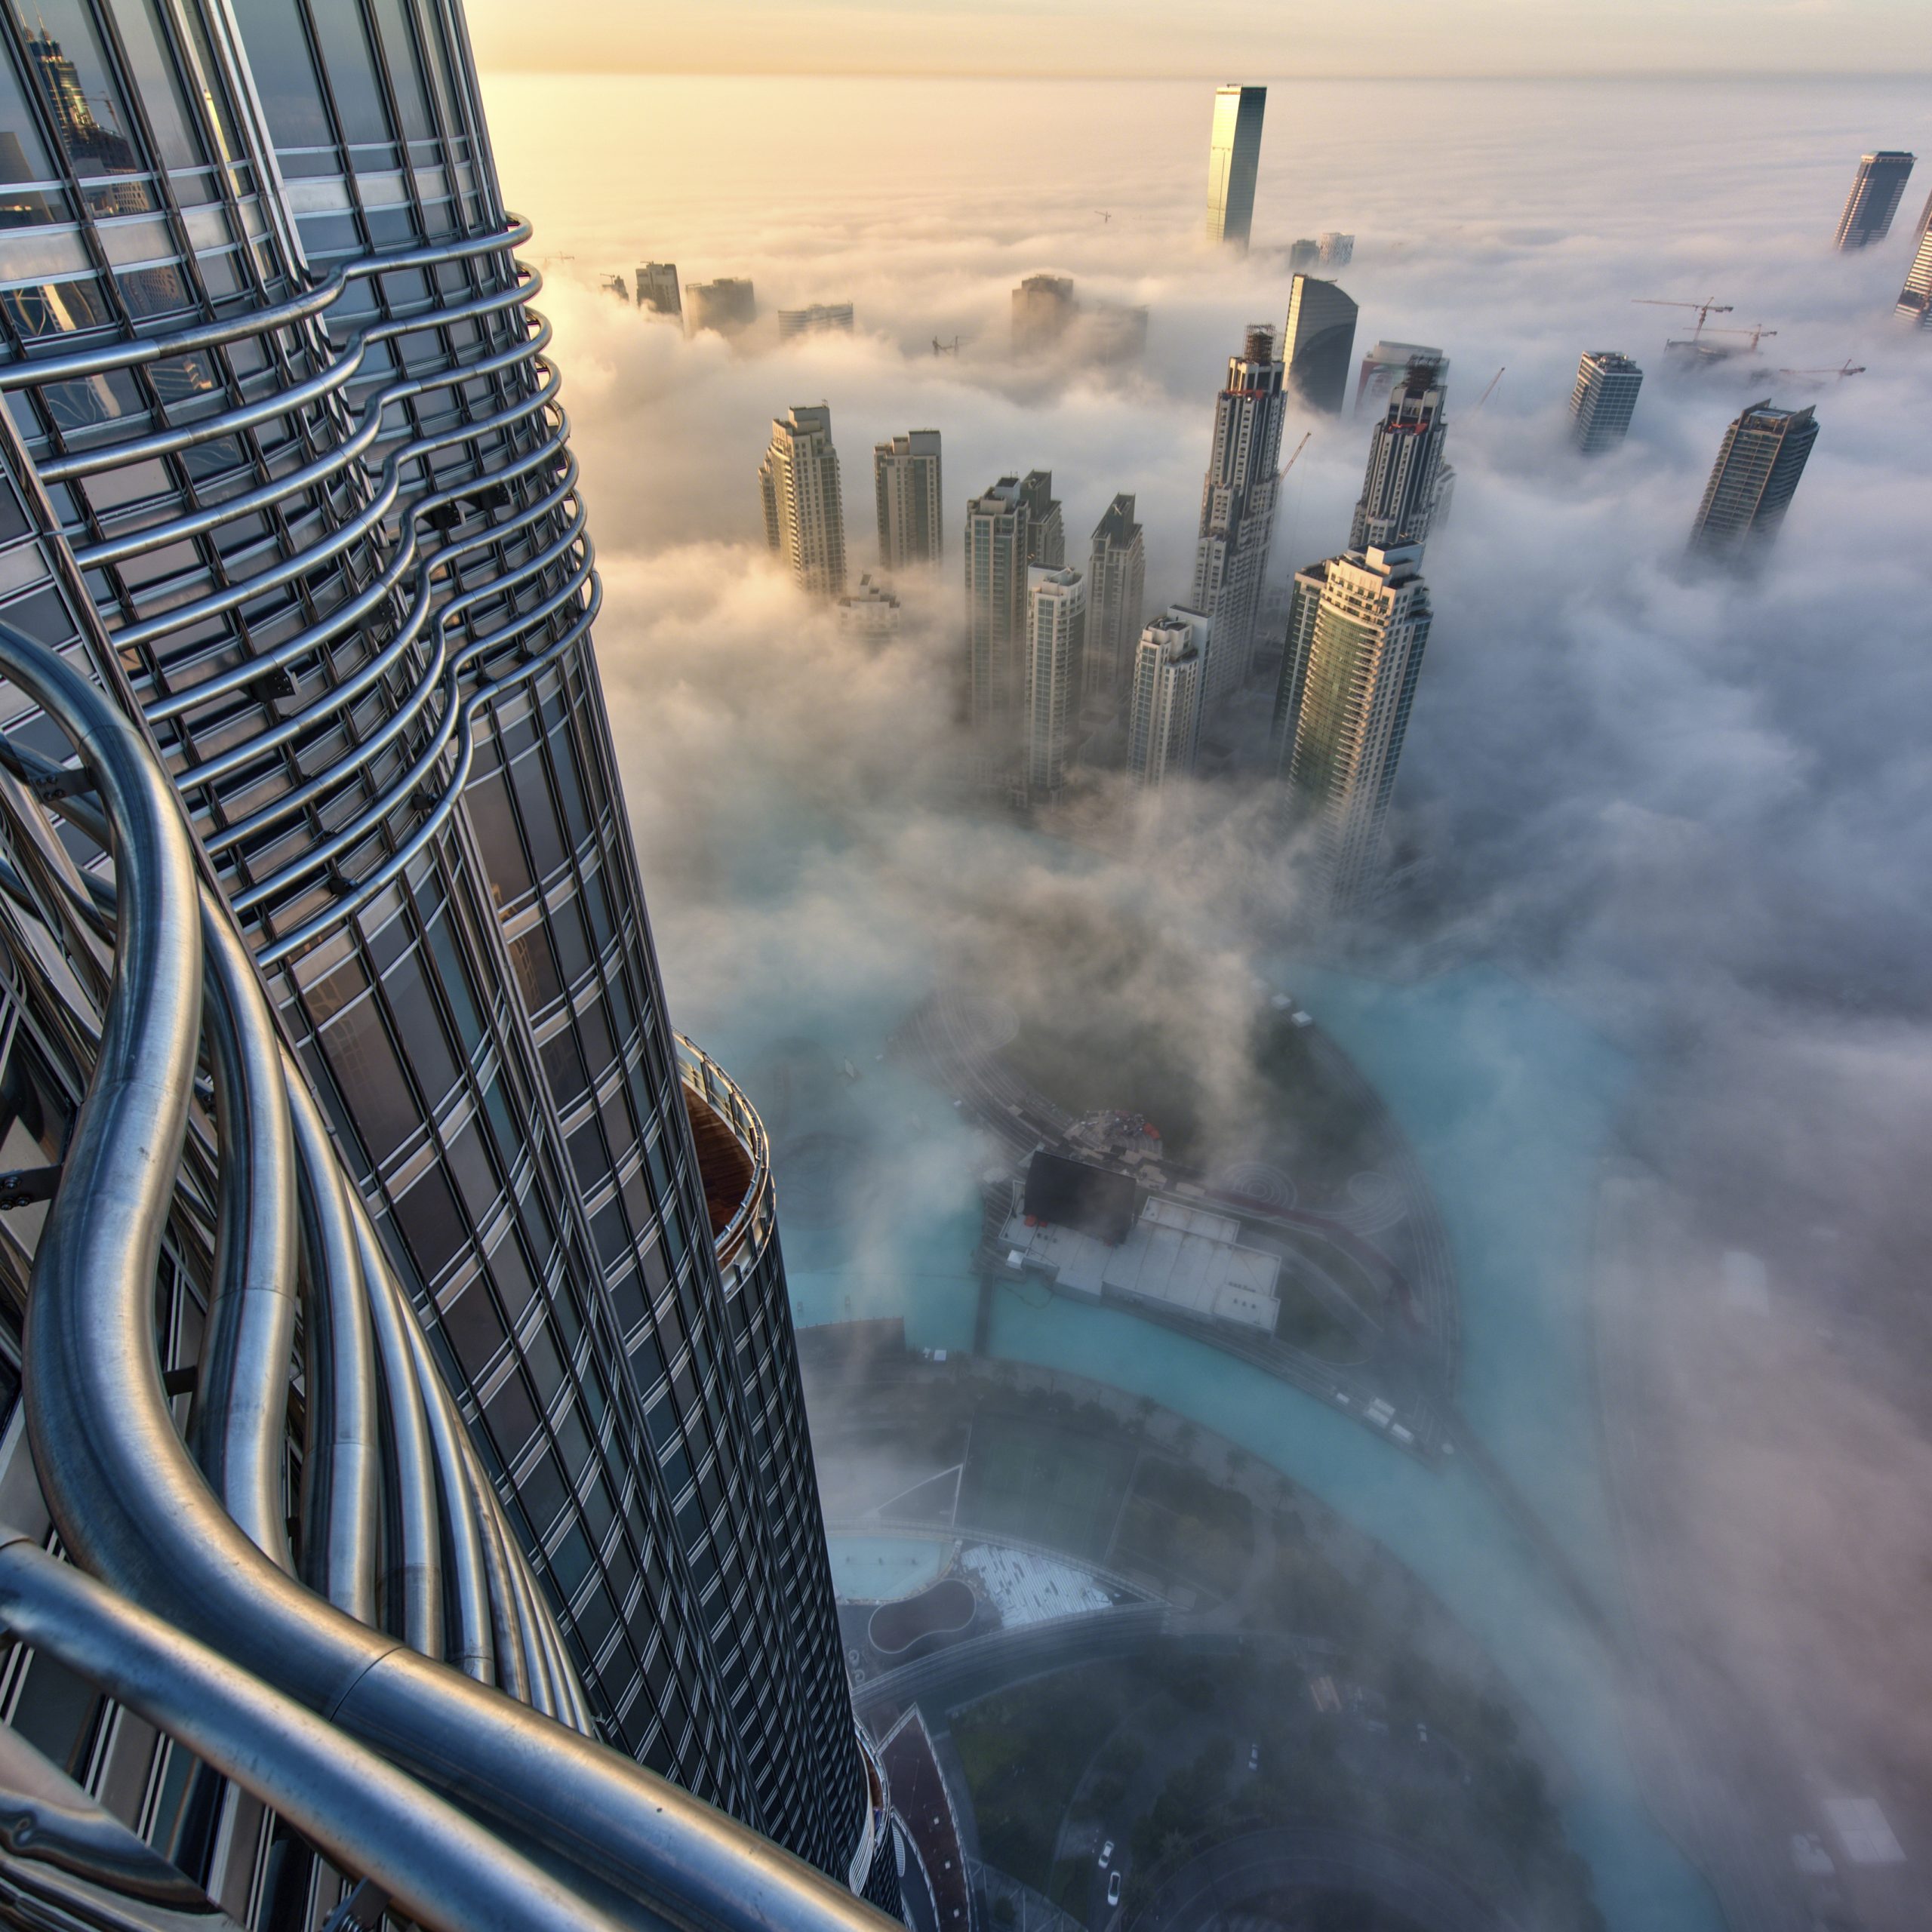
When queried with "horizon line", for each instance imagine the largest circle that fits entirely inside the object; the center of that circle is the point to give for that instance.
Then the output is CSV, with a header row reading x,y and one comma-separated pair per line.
x,y
794,73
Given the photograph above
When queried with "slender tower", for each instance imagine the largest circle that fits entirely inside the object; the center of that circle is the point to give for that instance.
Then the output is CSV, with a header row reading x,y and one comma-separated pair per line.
x,y
294,485
1915,302
1754,479
906,482
1163,716
1874,199
1116,594
1399,491
996,548
1321,341
1234,154
1056,640
1357,680
1604,400
805,512
1238,509
1046,529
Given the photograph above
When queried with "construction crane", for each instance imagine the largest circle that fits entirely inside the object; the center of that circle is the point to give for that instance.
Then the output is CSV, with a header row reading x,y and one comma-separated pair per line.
x,y
1757,332
1105,214
946,347
1491,390
1705,309
1848,368
1290,463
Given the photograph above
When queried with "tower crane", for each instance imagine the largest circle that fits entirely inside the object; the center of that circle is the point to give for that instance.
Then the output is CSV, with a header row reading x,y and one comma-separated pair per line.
x,y
1705,309
946,347
1290,463
1757,332
1491,390
1848,368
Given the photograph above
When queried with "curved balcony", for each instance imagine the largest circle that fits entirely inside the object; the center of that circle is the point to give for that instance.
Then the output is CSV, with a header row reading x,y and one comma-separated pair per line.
x,y
733,1159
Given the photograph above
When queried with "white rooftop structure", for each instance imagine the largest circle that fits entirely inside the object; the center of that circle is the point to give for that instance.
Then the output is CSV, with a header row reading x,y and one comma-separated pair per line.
x,y
1188,1258
1027,1589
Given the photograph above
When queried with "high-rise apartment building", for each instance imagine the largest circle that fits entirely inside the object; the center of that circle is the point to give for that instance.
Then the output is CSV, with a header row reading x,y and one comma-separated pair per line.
x,y
725,306
1399,491
1116,595
1163,712
805,510
1386,364
1754,479
996,557
1056,644
1046,529
1874,199
820,319
872,610
1337,250
1043,309
1604,400
1304,256
293,488
1233,156
1915,301
1319,345
658,293
1304,606
905,484
1357,681
1238,509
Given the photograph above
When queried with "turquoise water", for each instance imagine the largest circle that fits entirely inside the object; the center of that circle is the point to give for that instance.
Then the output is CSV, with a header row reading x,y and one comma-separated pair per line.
x,y
880,1569
1508,1102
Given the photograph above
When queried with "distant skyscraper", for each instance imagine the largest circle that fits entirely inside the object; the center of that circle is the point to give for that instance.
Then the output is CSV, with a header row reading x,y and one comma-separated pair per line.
x,y
1043,311
996,619
1304,605
1755,476
1055,641
1116,594
1234,154
1398,491
1601,403
1164,714
906,481
1874,198
1363,653
1388,361
726,305
1304,256
1046,531
872,610
614,284
1238,509
1320,344
1337,250
820,319
1915,301
657,290
804,513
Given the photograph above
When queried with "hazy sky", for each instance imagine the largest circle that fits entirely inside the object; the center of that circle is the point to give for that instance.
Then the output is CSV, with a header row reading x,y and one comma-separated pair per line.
x,y
1150,37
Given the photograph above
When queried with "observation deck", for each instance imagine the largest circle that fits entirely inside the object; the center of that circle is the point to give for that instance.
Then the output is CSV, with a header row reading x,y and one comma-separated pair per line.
x,y
734,1159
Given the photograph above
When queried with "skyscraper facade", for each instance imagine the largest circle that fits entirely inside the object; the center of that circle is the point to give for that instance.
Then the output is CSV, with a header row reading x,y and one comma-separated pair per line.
x,y
1304,606
1116,595
805,509
1386,364
1357,681
1164,714
1399,491
1233,156
1043,311
1874,199
1238,509
724,306
1056,644
1915,302
995,560
1320,344
1338,250
1046,528
293,484
1604,400
818,319
1752,482
658,293
905,486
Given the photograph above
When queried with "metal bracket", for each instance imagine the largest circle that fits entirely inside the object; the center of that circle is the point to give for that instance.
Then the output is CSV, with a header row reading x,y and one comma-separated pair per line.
x,y
49,787
20,1186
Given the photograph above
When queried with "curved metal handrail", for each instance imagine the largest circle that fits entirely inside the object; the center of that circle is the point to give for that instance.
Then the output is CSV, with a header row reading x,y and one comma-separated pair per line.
x,y
136,1511
726,1098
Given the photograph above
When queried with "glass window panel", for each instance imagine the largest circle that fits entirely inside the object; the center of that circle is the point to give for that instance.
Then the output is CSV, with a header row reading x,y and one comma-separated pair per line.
x,y
432,1222
571,791
496,832
512,1416
544,1491
351,71
536,971
511,1273
566,925
369,1077
65,58
405,77
475,1178
23,157
421,1025
539,815
474,1329
563,1067
277,52
456,984
155,79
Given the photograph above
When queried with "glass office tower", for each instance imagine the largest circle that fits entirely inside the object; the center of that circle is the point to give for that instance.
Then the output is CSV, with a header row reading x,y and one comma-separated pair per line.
x,y
287,470
1233,159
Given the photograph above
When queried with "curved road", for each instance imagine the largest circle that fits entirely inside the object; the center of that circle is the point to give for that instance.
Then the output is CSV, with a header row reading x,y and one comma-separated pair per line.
x,y
1390,1873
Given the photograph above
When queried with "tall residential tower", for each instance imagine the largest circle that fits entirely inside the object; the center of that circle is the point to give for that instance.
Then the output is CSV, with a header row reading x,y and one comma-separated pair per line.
x,y
1238,509
1604,400
1116,594
1164,713
1234,154
1754,479
1874,198
805,510
906,483
996,563
1399,491
1320,342
1055,642
1046,528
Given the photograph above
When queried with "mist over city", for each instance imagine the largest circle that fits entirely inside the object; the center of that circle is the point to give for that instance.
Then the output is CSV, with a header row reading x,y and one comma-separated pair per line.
x,y
964,968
